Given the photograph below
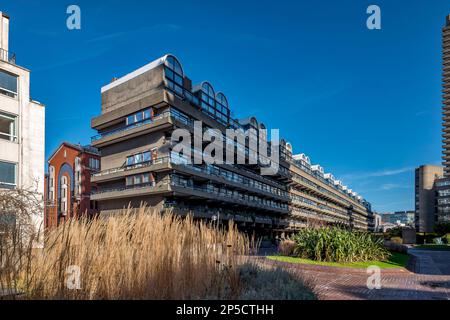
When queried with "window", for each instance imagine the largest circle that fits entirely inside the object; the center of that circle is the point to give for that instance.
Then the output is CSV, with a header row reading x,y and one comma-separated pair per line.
x,y
208,101
147,156
94,164
144,179
139,158
223,111
64,195
140,116
8,84
51,192
8,127
8,175
174,75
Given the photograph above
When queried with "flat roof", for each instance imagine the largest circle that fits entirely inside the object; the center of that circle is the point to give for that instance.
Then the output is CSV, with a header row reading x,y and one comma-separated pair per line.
x,y
134,74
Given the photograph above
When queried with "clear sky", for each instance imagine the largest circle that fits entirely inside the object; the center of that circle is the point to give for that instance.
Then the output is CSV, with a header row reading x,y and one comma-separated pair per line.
x,y
363,104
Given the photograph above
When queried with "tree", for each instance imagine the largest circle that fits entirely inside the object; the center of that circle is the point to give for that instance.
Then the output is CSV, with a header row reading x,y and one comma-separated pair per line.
x,y
442,228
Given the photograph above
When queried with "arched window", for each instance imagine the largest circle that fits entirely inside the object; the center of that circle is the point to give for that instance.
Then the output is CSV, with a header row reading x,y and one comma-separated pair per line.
x,y
173,64
223,110
174,75
208,98
64,195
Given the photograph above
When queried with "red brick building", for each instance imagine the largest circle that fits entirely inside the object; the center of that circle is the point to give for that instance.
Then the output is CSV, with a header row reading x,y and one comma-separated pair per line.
x,y
68,183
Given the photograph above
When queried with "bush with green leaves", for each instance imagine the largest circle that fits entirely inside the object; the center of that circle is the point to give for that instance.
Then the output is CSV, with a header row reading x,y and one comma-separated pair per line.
x,y
446,238
442,228
333,244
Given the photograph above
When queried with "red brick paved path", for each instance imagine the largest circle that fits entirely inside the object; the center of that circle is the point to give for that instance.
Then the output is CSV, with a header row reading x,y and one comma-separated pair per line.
x,y
396,284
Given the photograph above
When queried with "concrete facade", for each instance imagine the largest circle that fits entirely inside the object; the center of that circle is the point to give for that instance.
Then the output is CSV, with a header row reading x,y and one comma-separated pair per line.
x,y
22,126
425,196
139,113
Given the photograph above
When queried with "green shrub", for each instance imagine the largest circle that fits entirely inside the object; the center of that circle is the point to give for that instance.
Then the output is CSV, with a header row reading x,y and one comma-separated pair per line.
x,y
286,247
395,232
334,244
446,238
426,238
442,228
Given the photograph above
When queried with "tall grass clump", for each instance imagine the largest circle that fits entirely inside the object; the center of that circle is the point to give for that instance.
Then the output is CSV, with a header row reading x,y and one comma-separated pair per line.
x,y
334,244
135,255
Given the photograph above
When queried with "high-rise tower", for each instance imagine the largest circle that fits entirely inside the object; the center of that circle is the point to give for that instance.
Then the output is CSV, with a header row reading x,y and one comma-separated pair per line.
x,y
446,95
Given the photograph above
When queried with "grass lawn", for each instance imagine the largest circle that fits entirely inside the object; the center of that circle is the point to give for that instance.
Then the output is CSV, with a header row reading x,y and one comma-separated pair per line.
x,y
397,260
437,247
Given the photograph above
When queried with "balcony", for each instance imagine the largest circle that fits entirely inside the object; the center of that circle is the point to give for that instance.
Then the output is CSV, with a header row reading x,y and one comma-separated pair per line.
x,y
7,56
240,217
132,130
131,191
121,172
212,172
208,192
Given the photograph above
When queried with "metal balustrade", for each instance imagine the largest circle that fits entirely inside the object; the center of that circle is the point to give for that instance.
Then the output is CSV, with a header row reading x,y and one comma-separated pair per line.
x,y
7,56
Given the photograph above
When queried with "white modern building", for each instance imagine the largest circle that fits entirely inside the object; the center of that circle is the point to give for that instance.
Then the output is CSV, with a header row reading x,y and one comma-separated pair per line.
x,y
22,125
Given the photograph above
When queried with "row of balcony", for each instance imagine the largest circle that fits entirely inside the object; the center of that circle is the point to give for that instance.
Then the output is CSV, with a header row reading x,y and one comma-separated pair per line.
x,y
189,122
220,173
226,215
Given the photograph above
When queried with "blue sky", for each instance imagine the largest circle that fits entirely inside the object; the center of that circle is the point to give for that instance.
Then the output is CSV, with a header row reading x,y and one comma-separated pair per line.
x,y
364,104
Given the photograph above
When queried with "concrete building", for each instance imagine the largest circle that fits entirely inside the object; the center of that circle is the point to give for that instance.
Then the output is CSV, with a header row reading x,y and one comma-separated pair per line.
x,y
22,125
400,218
377,222
443,185
425,196
443,200
141,110
68,183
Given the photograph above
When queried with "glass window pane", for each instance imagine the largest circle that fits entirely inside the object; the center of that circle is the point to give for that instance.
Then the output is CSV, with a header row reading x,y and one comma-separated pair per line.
x,y
178,68
179,90
146,178
147,114
147,156
170,62
130,181
8,81
169,73
7,127
179,80
139,116
7,173
138,158
130,161
137,180
130,120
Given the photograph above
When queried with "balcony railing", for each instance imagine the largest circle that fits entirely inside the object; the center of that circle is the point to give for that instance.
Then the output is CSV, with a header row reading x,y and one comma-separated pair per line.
x,y
236,198
150,185
208,170
129,127
7,56
132,167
